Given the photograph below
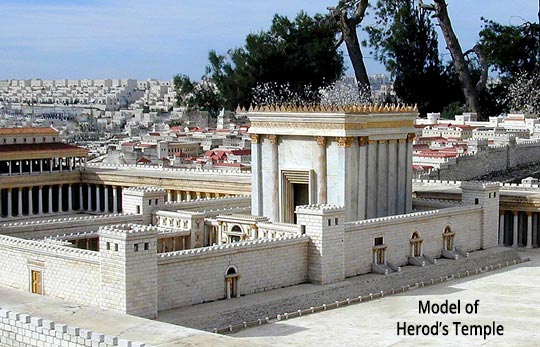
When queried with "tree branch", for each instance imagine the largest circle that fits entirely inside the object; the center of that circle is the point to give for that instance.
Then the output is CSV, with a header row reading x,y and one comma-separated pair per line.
x,y
360,12
427,7
341,39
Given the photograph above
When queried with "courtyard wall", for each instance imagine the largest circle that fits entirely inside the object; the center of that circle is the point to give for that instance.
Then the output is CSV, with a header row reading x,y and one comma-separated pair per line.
x,y
68,273
195,276
465,221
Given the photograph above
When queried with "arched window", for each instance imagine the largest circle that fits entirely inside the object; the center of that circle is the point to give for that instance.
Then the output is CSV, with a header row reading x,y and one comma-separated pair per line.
x,y
416,245
448,238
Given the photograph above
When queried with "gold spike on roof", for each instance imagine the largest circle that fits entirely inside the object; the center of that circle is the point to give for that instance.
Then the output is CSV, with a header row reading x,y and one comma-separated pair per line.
x,y
349,109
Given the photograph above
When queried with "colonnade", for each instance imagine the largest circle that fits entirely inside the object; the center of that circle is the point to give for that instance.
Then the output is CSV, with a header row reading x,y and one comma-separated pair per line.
x,y
57,198
519,228
40,166
183,195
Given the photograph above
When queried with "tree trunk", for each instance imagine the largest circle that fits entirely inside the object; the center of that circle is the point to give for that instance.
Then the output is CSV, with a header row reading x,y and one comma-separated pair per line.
x,y
462,70
357,59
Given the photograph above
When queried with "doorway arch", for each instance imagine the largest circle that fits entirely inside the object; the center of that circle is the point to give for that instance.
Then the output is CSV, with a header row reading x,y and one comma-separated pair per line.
x,y
416,245
232,277
448,239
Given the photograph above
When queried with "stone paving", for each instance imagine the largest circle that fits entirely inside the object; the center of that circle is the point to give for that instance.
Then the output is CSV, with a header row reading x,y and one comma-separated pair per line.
x,y
509,296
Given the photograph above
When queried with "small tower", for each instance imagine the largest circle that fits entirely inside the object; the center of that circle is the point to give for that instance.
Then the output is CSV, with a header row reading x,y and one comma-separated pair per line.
x,y
142,200
485,194
325,226
129,269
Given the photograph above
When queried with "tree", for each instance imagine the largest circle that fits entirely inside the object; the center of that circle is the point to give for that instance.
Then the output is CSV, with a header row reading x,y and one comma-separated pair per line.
x,y
348,14
197,96
471,90
299,53
405,41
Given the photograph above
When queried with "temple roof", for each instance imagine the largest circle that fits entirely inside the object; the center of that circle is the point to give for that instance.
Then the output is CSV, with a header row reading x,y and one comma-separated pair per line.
x,y
40,151
27,131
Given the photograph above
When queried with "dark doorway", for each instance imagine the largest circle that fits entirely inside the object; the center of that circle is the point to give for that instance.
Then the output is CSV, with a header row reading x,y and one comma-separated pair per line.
x,y
300,196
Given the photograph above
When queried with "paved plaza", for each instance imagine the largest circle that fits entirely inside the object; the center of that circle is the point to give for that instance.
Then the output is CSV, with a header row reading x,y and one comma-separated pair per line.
x,y
509,296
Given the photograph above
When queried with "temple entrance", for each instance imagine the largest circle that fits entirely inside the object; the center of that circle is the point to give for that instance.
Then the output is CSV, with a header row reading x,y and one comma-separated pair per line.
x,y
296,190
231,283
448,239
300,196
416,245
36,279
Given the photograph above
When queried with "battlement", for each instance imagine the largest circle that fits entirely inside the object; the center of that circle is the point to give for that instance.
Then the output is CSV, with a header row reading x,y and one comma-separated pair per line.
x,y
235,246
67,220
319,209
352,226
50,248
144,190
128,231
168,170
479,185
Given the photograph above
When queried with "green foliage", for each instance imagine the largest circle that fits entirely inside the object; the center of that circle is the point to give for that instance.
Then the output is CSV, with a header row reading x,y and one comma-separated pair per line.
x,y
403,38
300,53
197,96
452,109
511,49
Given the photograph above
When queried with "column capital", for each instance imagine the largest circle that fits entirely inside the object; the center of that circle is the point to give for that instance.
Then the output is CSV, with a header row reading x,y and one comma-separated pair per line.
x,y
502,211
345,142
321,141
410,137
273,139
363,141
255,138
515,213
529,213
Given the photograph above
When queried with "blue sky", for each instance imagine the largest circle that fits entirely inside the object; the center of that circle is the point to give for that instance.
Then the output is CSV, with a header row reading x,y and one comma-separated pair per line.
x,y
159,38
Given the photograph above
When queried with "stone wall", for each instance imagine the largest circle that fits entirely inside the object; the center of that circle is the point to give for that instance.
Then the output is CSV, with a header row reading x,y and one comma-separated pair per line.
x,y
58,226
68,273
22,330
493,159
198,275
465,221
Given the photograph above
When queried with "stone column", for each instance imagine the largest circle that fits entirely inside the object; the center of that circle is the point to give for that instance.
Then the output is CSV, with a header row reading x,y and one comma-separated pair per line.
x,y
89,198
256,177
106,194
188,196
50,198
529,229
169,195
30,166
371,201
81,198
322,190
40,200
60,209
392,178
70,198
41,166
50,165
198,195
274,177
30,202
408,168
20,167
382,179
60,163
19,203
9,202
115,199
501,228
515,230
70,163
9,166
98,199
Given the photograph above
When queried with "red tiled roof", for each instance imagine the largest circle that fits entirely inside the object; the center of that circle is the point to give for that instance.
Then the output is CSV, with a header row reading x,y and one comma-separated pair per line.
x,y
143,160
27,147
28,131
241,152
